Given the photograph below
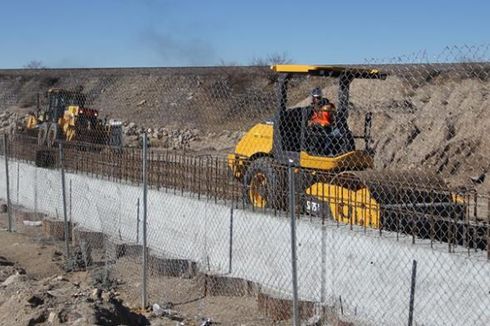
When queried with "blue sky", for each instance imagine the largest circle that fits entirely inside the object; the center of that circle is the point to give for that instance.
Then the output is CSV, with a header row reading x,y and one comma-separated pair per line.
x,y
139,33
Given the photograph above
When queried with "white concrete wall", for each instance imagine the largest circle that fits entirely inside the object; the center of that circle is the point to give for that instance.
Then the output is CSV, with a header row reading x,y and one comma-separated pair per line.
x,y
370,273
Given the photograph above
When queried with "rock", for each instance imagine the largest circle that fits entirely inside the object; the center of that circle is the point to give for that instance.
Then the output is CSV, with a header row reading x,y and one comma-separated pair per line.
x,y
107,296
5,262
478,179
16,278
80,321
187,135
52,316
38,317
316,320
96,293
157,310
32,223
142,102
35,301
131,125
20,271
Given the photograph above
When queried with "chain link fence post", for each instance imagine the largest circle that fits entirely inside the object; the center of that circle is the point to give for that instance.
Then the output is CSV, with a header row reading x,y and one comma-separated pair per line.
x,y
66,235
9,207
292,209
230,252
412,293
138,221
488,226
144,294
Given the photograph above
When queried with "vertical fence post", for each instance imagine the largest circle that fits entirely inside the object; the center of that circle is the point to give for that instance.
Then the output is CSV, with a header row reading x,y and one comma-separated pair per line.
x,y
71,204
292,208
63,193
138,221
9,206
488,227
412,293
18,181
231,240
323,262
144,296
35,192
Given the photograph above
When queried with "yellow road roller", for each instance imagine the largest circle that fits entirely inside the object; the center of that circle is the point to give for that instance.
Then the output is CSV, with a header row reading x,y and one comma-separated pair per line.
x,y
334,178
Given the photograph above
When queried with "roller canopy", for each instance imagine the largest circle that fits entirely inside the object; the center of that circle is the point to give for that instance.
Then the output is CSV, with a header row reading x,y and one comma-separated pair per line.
x,y
330,71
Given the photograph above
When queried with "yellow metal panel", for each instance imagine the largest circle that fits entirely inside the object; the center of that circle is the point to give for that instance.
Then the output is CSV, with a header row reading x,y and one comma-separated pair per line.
x,y
351,160
31,121
256,140
348,206
73,109
303,68
310,68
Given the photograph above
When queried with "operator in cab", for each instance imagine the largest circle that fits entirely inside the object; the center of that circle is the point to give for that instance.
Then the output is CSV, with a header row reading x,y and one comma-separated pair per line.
x,y
323,110
321,125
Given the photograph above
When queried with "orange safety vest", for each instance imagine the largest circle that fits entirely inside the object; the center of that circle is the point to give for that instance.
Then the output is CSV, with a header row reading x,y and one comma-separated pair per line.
x,y
321,118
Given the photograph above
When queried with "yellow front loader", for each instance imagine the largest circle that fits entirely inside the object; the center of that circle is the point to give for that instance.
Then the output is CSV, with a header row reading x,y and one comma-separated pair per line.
x,y
66,118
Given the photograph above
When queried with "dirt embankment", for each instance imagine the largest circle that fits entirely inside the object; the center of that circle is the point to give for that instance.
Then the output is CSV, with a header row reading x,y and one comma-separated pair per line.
x,y
34,290
424,117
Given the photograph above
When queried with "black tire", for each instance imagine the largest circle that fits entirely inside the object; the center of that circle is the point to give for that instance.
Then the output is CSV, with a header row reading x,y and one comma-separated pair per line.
x,y
41,135
52,135
263,184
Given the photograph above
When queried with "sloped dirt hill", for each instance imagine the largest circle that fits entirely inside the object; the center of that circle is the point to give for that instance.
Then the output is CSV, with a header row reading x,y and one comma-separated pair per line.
x,y
435,121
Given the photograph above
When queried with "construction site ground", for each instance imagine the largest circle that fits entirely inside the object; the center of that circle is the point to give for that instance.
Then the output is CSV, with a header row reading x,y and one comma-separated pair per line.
x,y
35,289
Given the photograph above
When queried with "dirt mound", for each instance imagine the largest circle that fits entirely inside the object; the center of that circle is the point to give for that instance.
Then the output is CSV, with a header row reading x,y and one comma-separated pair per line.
x,y
440,127
57,300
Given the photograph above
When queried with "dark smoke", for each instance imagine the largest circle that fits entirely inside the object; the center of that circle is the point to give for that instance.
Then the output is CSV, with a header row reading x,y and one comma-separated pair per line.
x,y
172,50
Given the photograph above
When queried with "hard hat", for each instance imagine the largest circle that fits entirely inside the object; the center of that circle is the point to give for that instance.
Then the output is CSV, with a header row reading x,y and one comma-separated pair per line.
x,y
316,92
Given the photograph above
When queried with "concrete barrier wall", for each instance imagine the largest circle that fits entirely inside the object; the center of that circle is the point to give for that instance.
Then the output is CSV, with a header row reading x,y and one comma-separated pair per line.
x,y
369,274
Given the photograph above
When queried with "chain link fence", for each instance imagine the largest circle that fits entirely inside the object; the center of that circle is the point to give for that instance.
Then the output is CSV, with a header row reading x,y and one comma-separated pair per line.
x,y
299,194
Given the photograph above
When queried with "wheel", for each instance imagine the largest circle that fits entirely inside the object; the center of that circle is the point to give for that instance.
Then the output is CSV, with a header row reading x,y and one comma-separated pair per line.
x,y
41,135
263,184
